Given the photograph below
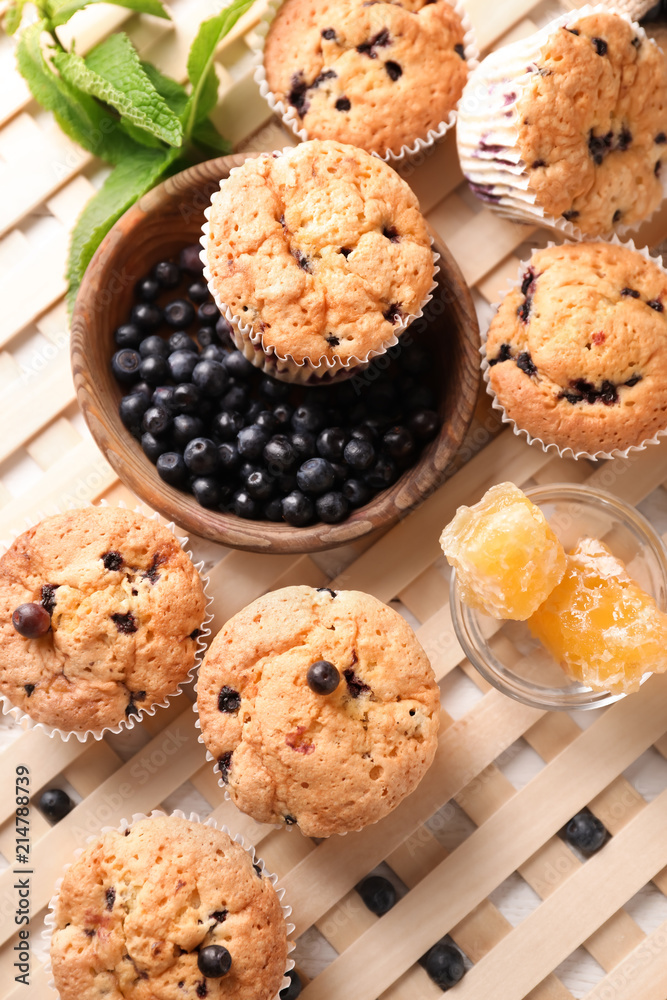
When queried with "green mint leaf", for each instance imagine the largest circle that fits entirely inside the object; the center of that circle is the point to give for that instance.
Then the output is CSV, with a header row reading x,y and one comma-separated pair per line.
x,y
200,59
174,94
112,72
13,16
208,95
207,138
79,116
60,11
134,176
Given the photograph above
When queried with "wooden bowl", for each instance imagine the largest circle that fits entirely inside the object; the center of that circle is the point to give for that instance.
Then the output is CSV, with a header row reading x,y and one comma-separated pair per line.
x,y
157,227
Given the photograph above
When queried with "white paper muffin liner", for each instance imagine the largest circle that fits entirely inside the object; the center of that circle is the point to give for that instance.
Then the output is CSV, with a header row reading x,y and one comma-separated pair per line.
x,y
566,451
50,918
289,116
487,131
128,722
286,368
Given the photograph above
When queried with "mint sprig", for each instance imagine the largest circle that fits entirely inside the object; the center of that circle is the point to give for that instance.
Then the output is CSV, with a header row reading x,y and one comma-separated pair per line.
x,y
121,109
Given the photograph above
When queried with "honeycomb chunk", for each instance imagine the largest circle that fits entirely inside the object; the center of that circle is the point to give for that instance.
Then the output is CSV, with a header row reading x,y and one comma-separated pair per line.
x,y
507,558
599,624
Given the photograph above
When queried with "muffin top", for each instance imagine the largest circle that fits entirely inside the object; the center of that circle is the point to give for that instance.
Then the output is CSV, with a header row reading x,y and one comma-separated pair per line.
x,y
592,124
322,250
578,352
125,604
375,75
330,762
136,910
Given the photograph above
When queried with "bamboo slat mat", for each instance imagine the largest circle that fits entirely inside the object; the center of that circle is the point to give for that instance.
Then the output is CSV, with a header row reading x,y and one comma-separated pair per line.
x,y
471,829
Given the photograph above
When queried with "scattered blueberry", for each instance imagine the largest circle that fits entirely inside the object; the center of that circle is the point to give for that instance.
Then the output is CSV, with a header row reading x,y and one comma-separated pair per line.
x,y
378,894
273,510
153,446
297,509
293,990
186,398
31,620
55,804
207,491
586,832
315,476
146,316
238,366
444,964
214,961
323,677
189,259
226,425
251,441
128,335
167,274
382,474
201,456
207,313
171,468
184,428
229,456
304,445
198,292
147,289
308,418
356,492
132,409
180,341
154,370
280,453
245,505
260,484
359,454
156,420
424,424
211,377
331,443
332,508
182,364
126,365
178,314
399,443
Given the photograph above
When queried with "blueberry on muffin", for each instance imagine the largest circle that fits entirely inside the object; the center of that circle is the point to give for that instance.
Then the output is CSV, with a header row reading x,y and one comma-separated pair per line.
x,y
577,352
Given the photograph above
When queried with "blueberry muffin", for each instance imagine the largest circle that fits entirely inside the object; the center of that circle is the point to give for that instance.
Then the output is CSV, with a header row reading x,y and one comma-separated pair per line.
x,y
574,128
169,908
100,611
378,76
577,352
320,252
320,708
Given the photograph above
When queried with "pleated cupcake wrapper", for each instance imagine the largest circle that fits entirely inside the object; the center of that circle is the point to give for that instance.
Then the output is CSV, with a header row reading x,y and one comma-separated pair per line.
x,y
289,116
564,452
266,358
27,722
487,129
50,918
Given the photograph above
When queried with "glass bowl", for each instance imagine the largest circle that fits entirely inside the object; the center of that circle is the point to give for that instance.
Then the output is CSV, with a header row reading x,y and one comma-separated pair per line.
x,y
506,653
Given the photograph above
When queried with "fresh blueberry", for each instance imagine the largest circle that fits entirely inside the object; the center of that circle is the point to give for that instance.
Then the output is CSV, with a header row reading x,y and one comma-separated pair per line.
x,y
254,409
210,377
266,420
154,370
128,335
364,433
207,313
332,508
229,456
189,259
260,484
304,445
147,289
180,341
283,414
198,292
274,390
273,510
171,468
153,345
297,509
331,443
444,964
280,452
245,505
359,454
185,428
226,425
146,316
156,420
207,491
223,330
236,399
142,389
323,677
424,424
131,410
378,894
238,366
186,398
315,476
293,990
163,396
246,469
214,961
31,620
341,471
55,804
167,274
586,832
178,314
182,364
201,456
153,446
126,365
213,353
308,418
382,474
251,441
286,483
399,443
356,492
206,336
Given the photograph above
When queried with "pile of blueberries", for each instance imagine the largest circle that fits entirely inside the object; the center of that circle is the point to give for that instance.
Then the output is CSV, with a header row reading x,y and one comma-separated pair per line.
x,y
245,443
